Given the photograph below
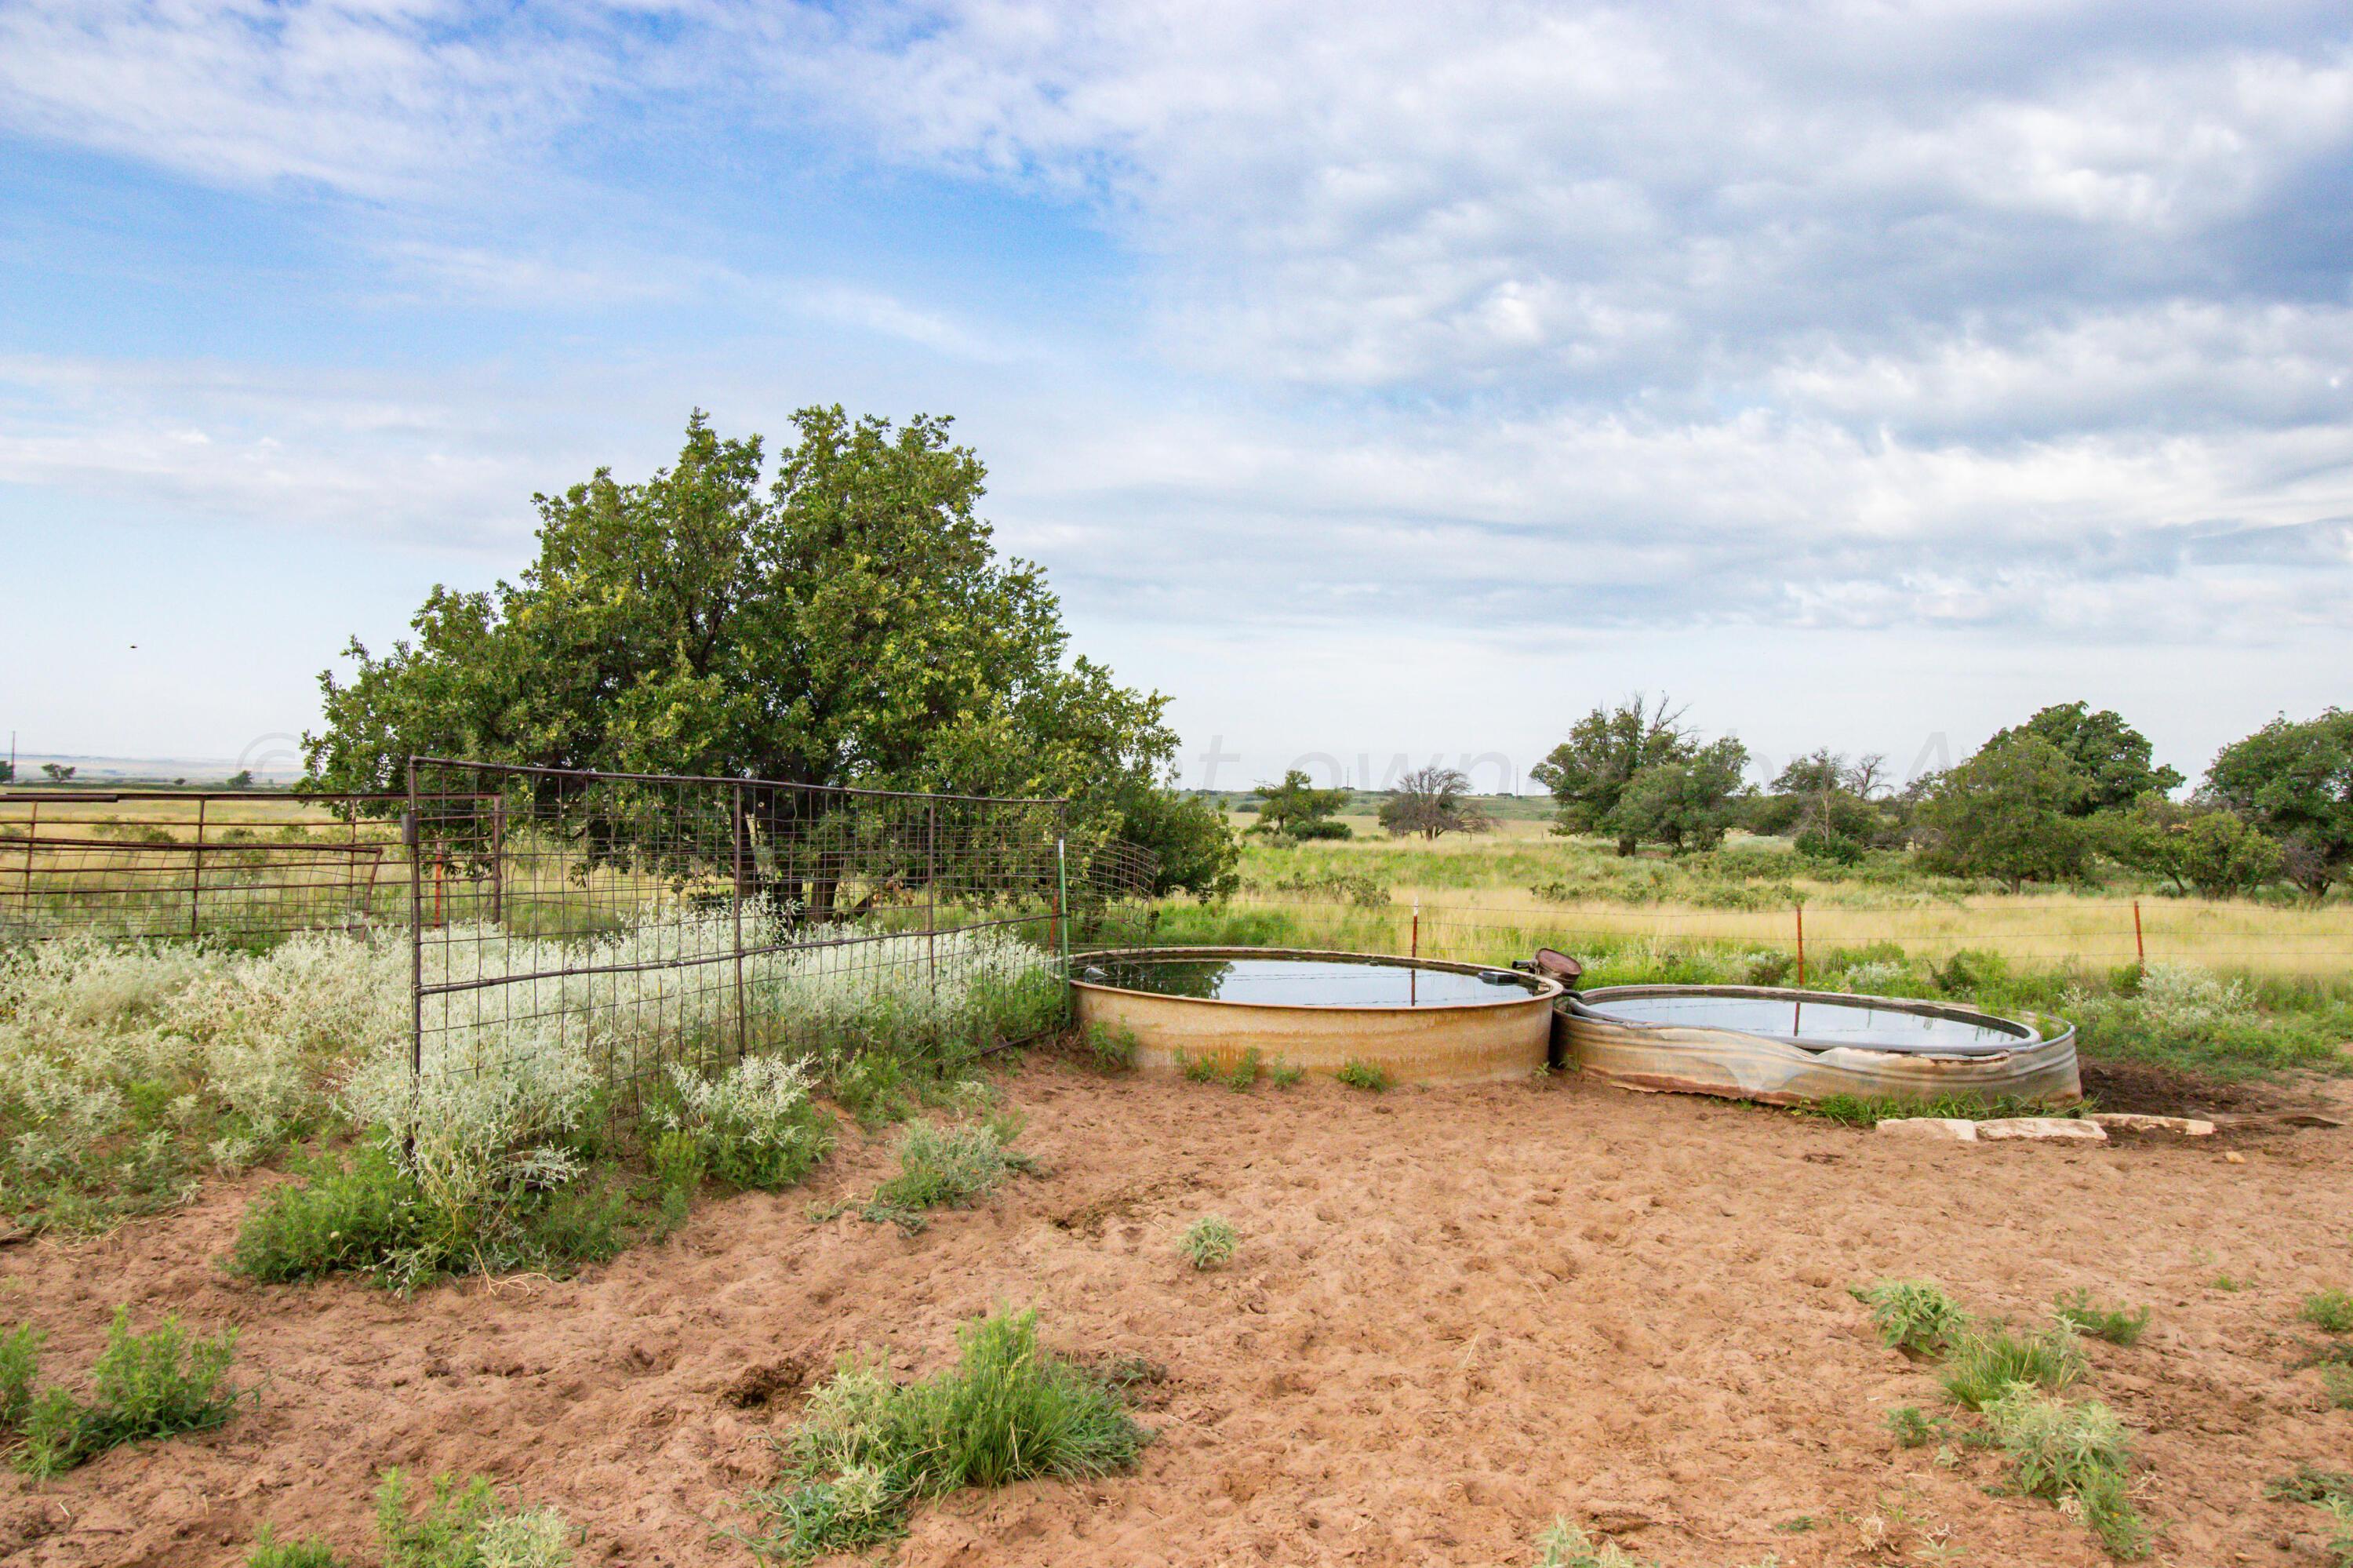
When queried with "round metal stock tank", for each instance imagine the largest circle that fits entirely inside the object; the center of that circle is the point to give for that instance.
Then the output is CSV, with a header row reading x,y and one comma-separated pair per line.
x,y
1783,1046
1420,1020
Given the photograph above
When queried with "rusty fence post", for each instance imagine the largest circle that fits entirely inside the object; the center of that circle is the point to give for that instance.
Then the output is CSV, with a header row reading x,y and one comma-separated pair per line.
x,y
196,873
1801,945
2140,946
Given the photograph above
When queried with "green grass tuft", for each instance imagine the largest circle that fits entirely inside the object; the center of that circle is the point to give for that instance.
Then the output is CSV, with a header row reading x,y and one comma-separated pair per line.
x,y
2116,1325
1983,1365
1209,1242
947,1167
1107,1049
1203,1069
1913,1314
268,1551
467,1527
868,1449
2330,1311
1358,1073
1248,1068
1282,1075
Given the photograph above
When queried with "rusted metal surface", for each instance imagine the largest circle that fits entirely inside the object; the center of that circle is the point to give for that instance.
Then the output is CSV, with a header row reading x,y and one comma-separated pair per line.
x,y
1466,1043
1737,1064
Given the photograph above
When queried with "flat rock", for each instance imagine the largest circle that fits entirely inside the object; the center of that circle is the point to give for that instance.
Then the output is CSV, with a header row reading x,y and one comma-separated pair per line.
x,y
2134,1122
2054,1129
1952,1128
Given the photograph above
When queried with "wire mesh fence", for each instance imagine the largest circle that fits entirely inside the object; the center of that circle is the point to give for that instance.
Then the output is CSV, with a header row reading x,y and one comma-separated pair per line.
x,y
229,863
654,920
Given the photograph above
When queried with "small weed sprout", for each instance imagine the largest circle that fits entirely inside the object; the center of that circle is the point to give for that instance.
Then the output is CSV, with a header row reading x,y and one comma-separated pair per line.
x,y
2337,1382
2071,1453
1209,1242
2330,1311
1246,1072
1913,1314
1565,1545
1984,1365
868,1449
947,1167
1913,1428
1202,1069
2116,1325
1282,1075
1358,1073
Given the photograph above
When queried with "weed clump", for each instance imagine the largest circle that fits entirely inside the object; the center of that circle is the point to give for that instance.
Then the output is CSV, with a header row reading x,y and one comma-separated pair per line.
x,y
2076,1453
753,1126
1108,1049
1208,1242
1282,1075
869,1448
1983,1365
268,1551
2330,1311
1248,1068
1913,1314
142,1386
2116,1325
467,1527
1358,1073
947,1167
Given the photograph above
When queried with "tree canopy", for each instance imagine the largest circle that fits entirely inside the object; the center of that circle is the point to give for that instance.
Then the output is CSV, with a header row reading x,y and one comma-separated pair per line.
x,y
2295,780
2113,758
1433,802
1636,773
1296,809
2010,812
850,625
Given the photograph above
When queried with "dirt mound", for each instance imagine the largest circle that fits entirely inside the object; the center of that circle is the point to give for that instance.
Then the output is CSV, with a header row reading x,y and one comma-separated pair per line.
x,y
1453,1314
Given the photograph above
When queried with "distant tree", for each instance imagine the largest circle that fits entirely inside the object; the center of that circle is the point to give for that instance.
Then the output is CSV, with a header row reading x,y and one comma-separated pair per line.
x,y
2008,812
1833,809
2204,849
2113,756
1687,804
240,779
1590,773
58,771
2295,780
1296,809
1433,802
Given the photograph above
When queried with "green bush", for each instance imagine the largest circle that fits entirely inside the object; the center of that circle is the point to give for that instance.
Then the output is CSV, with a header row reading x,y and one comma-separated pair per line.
x,y
1282,1075
754,1124
2058,1450
2116,1325
467,1527
142,1386
1201,1069
1208,1242
1248,1068
1983,1365
20,1357
1108,1049
1358,1073
1913,1314
868,1449
2330,1311
268,1551
947,1167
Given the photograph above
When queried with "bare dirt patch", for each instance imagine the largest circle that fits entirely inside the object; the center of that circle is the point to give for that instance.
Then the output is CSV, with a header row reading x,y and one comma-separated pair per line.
x,y
1453,1314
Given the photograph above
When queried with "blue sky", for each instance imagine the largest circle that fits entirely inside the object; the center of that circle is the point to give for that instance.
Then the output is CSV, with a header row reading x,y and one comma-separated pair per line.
x,y
1379,381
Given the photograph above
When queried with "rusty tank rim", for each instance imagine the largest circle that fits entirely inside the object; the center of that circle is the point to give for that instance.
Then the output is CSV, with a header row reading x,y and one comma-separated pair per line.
x,y
2032,1030
1532,988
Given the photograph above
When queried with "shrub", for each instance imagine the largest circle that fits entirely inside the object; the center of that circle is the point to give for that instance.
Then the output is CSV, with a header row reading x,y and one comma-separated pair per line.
x,y
755,1125
1108,1049
142,1386
947,1167
2058,1450
868,1449
268,1551
1983,1365
1282,1075
467,1527
2330,1311
356,1215
20,1358
1358,1073
1913,1314
1202,1069
2114,1325
1247,1069
1208,1242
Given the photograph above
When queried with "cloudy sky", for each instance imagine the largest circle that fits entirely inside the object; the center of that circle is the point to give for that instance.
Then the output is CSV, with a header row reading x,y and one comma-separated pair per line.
x,y
1378,380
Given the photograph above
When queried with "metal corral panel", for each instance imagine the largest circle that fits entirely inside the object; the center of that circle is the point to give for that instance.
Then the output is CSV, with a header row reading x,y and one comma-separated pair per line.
x,y
1469,1043
1741,1065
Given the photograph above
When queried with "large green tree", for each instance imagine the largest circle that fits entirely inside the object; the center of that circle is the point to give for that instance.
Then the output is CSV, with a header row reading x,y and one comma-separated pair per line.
x,y
2011,811
850,624
2114,759
1594,774
1297,809
2295,780
1431,803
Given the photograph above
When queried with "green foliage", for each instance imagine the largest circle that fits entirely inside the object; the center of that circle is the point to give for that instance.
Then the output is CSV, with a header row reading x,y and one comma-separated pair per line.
x,y
852,625
1358,1073
754,1124
1192,844
1913,1314
1914,1428
1981,1364
1208,1242
20,1362
2210,851
1296,809
946,1167
1866,1111
2011,813
2110,758
142,1386
268,1551
2331,1311
1566,1545
1431,802
1198,1069
1108,1048
1282,1075
467,1527
1248,1067
2113,1324
868,1449
1606,752
2074,1451
2295,780
2337,1382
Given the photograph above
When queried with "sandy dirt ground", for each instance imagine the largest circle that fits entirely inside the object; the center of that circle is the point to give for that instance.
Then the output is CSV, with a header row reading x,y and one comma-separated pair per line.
x,y
1454,1313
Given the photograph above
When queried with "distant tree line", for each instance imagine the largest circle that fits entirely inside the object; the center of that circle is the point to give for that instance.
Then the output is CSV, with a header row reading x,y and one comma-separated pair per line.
x,y
2038,802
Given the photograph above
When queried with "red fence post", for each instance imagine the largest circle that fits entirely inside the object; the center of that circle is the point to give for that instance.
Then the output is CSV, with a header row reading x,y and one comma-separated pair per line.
x,y
2140,948
1802,947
